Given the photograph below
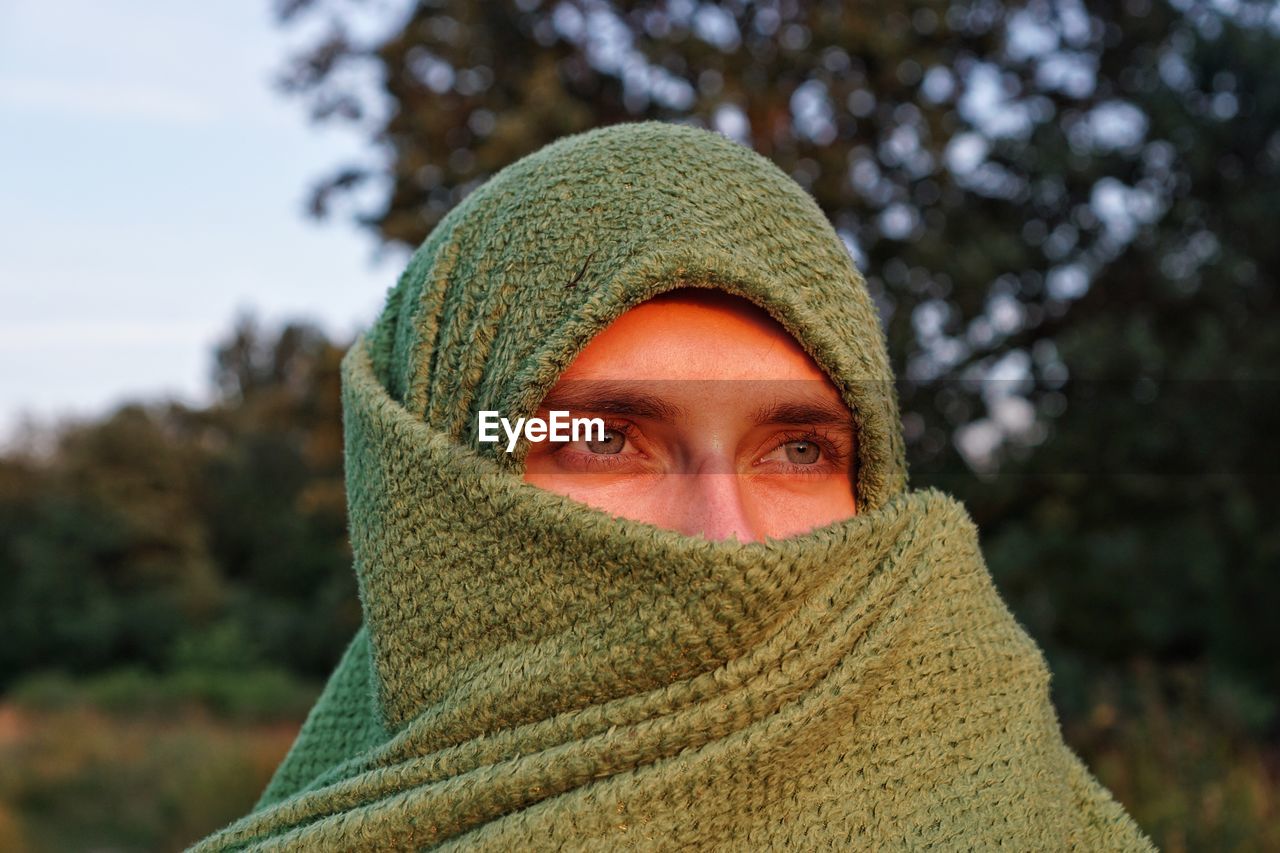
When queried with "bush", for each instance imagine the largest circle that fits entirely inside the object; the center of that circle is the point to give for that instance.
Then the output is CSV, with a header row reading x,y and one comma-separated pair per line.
x,y
77,778
261,694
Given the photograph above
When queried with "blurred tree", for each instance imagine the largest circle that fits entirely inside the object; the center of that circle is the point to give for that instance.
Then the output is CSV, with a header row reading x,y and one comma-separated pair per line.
x,y
276,499
104,555
1060,206
171,536
1145,522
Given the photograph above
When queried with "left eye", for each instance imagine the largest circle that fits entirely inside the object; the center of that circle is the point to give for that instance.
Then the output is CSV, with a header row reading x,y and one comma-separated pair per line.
x,y
802,452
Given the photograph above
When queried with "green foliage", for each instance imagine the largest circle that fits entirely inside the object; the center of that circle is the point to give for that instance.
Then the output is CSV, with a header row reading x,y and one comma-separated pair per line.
x,y
165,537
259,694
1190,780
77,779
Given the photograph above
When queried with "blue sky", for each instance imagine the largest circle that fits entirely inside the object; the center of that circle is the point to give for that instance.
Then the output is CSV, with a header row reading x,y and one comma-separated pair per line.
x,y
152,186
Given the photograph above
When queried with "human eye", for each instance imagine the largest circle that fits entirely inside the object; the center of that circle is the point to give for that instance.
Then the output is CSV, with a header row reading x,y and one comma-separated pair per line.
x,y
616,447
804,453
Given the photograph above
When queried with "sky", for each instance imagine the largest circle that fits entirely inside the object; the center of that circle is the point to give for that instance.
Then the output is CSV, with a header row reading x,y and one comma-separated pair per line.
x,y
152,187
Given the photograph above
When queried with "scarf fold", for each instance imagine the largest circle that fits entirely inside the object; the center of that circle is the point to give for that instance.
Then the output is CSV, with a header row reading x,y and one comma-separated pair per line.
x,y
535,674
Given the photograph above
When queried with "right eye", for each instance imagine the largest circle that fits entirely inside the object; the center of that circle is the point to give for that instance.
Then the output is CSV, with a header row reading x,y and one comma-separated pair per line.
x,y
614,441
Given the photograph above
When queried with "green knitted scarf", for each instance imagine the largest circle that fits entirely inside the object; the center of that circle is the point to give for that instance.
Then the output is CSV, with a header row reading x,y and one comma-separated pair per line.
x,y
535,674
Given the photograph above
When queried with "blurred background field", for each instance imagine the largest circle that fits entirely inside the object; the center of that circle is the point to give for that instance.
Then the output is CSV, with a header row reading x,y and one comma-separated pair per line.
x,y
1066,212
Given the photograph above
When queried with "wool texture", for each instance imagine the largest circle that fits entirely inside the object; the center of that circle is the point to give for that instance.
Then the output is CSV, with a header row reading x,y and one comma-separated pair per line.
x,y
532,673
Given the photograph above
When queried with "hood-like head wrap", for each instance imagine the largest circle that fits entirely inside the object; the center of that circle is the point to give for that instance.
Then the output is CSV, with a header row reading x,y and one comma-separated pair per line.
x,y
533,673
520,276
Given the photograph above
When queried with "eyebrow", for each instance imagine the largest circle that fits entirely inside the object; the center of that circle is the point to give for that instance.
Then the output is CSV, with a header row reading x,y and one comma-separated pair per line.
x,y
811,412
609,397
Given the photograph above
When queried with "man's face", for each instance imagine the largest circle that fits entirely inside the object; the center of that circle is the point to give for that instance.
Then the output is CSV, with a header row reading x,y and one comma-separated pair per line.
x,y
719,424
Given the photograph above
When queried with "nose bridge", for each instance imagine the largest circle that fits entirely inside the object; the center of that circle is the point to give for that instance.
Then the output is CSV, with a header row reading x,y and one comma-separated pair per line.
x,y
714,505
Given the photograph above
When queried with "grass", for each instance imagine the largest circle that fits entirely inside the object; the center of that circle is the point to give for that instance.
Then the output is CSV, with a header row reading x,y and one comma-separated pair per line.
x,y
1189,774
81,778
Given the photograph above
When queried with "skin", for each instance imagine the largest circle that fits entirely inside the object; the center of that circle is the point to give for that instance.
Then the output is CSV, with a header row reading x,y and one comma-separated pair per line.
x,y
719,424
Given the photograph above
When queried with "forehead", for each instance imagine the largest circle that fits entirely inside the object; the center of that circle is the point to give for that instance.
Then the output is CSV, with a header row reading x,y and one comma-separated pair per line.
x,y
705,403
696,335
